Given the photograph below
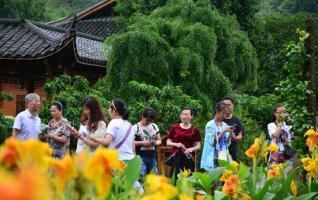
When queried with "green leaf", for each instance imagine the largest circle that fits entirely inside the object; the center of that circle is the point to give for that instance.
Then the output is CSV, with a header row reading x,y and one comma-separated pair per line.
x,y
243,171
289,178
216,173
204,181
218,195
306,196
268,196
261,193
223,163
132,171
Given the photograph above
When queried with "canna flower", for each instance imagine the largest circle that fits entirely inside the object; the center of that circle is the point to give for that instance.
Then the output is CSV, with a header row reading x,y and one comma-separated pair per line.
x,y
231,186
293,188
272,147
235,165
252,152
226,174
98,169
29,153
8,154
310,132
306,161
156,196
65,170
274,171
185,173
310,165
185,197
269,148
199,196
312,139
160,184
28,184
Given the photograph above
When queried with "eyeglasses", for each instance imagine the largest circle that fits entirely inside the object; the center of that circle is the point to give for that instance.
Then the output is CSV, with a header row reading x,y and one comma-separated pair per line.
x,y
281,112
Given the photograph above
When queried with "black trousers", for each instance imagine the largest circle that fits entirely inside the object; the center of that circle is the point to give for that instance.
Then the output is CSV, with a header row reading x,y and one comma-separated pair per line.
x,y
180,163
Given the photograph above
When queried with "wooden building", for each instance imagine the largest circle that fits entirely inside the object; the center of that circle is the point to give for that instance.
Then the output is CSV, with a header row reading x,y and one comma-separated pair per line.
x,y
32,53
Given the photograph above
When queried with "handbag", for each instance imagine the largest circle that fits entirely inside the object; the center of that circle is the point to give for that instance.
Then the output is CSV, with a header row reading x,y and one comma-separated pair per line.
x,y
169,160
288,152
225,155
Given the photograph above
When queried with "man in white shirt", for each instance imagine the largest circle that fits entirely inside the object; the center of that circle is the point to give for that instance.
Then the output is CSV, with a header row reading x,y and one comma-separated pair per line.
x,y
27,124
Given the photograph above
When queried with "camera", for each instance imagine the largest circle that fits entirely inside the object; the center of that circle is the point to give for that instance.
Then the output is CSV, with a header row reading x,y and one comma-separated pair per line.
x,y
188,155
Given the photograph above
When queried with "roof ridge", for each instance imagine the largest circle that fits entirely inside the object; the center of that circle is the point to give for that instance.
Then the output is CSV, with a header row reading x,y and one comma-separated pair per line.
x,y
36,29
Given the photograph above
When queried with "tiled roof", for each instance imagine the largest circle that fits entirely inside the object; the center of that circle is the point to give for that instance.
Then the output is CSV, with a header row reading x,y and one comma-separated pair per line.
x,y
100,27
21,38
24,39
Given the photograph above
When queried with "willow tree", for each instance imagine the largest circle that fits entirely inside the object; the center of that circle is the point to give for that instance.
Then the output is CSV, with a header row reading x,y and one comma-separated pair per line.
x,y
182,43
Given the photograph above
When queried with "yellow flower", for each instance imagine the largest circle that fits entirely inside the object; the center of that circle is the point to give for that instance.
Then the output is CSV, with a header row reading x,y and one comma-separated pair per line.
x,y
310,132
155,196
159,184
27,184
28,153
256,144
293,188
65,170
235,164
231,186
252,152
185,173
199,196
272,147
99,169
306,161
185,197
226,174
8,153
274,171
303,35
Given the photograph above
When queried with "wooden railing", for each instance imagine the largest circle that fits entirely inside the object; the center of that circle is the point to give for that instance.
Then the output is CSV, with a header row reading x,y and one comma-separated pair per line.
x,y
163,152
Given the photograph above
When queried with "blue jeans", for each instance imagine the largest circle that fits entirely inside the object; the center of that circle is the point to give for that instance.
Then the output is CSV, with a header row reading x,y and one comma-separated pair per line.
x,y
148,163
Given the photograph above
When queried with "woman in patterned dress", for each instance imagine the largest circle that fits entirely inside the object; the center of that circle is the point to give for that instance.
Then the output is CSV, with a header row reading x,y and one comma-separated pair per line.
x,y
58,136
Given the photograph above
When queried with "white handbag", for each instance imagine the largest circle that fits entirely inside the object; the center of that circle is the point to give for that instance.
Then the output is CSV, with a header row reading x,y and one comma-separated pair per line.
x,y
225,155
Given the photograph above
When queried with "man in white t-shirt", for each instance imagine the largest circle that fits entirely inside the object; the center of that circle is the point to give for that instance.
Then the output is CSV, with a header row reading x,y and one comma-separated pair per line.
x,y
27,124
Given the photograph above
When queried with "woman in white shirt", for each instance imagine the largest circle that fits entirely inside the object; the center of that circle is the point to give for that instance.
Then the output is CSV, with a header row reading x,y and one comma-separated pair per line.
x,y
93,124
280,134
119,133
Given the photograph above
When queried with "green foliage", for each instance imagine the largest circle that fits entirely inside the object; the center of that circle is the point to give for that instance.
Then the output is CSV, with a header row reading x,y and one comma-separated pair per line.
x,y
41,10
6,96
269,37
183,43
6,124
244,10
127,8
295,92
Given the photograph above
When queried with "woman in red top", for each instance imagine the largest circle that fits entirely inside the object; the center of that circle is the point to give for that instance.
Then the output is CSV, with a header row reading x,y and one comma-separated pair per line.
x,y
185,140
